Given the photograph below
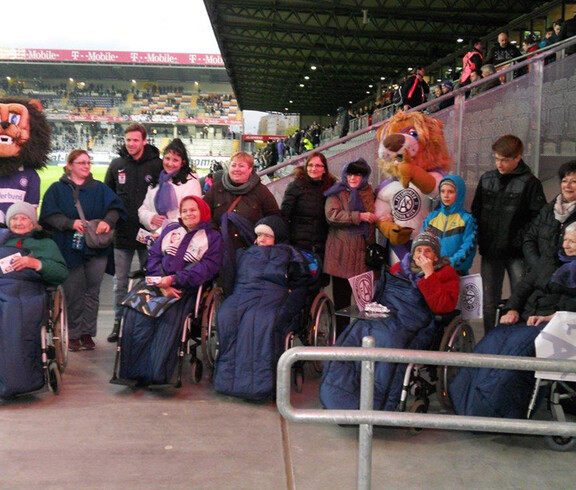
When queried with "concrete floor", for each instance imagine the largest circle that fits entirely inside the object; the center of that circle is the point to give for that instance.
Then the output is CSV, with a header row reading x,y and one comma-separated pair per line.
x,y
99,435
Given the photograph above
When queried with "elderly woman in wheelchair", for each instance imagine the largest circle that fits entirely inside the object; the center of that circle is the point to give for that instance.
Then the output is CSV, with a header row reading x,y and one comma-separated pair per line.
x,y
548,288
29,263
187,254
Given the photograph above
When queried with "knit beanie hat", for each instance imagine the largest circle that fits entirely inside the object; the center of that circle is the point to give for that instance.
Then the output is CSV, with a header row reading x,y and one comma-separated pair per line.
x,y
273,225
205,212
449,182
427,237
24,208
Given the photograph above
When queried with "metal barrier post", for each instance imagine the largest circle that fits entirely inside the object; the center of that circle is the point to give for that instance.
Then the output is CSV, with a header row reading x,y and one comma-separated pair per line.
x,y
365,433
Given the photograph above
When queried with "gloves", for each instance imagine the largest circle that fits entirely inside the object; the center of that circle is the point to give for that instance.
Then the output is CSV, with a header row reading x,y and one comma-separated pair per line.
x,y
396,234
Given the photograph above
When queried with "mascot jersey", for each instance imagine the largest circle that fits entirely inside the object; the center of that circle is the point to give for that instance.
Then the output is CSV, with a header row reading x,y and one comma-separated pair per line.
x,y
408,206
24,185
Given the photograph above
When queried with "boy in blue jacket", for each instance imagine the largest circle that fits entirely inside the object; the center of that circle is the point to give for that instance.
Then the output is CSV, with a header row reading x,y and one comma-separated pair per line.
x,y
455,227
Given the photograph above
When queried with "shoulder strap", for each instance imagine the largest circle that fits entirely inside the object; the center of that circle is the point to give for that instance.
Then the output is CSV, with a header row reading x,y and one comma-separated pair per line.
x,y
80,211
234,204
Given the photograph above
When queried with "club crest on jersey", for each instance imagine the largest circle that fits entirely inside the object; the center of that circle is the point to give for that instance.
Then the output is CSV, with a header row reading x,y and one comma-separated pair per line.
x,y
407,204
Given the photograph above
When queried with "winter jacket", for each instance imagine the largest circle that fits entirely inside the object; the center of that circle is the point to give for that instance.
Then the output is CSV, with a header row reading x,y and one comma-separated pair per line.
x,y
36,243
504,206
130,180
59,212
148,210
414,91
472,61
256,204
345,251
455,228
303,209
542,238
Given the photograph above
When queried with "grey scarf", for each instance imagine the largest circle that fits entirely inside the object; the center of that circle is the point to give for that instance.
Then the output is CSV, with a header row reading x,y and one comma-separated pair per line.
x,y
240,189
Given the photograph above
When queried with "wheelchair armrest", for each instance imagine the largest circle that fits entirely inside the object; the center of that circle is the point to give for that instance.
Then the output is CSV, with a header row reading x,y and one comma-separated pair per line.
x,y
136,274
446,318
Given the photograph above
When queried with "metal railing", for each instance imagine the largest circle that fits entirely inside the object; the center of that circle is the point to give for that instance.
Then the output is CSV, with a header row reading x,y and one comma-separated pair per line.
x,y
366,417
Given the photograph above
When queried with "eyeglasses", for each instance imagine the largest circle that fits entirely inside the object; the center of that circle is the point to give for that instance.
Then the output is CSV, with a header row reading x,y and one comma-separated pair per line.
x,y
498,158
82,162
312,165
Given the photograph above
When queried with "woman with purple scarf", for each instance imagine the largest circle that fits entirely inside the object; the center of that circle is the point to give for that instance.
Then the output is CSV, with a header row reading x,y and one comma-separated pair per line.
x,y
176,181
187,254
350,216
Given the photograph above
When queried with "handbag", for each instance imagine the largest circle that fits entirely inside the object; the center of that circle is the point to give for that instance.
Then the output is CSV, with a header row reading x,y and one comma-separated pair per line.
x,y
93,239
375,256
148,300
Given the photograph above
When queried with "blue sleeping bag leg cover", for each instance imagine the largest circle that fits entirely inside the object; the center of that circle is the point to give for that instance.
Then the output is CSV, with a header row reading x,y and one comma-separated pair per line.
x,y
497,392
150,345
23,310
410,326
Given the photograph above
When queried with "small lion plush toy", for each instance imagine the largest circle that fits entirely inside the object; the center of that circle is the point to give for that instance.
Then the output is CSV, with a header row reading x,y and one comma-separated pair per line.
x,y
24,148
412,153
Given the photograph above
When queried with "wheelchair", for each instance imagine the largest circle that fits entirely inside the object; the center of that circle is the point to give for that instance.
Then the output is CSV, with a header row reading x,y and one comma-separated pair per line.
x,y
317,328
453,334
199,331
55,339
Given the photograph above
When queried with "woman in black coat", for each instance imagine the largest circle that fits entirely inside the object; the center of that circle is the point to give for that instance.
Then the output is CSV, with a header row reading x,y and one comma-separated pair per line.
x,y
303,204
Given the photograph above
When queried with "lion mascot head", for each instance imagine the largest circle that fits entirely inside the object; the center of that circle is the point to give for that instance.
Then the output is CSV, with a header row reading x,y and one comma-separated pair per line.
x,y
24,135
412,138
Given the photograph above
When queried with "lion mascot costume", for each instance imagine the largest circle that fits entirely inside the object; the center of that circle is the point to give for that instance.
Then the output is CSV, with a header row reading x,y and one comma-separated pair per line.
x,y
413,156
24,149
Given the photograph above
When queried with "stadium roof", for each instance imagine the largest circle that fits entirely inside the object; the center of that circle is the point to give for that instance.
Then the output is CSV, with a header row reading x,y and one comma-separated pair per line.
x,y
269,47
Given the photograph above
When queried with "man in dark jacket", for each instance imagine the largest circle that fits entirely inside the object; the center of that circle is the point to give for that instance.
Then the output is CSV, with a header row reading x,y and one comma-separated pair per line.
x,y
507,199
129,176
503,51
415,89
568,30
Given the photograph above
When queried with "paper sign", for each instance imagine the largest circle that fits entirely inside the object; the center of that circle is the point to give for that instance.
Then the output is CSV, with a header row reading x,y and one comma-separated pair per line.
x,y
144,236
153,280
6,263
470,300
363,288
557,341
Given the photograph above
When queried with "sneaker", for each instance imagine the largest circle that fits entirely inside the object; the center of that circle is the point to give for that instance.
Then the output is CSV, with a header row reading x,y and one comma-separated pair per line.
x,y
74,345
87,342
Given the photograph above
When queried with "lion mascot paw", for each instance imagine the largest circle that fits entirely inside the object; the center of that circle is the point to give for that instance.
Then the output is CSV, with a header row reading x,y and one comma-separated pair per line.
x,y
413,156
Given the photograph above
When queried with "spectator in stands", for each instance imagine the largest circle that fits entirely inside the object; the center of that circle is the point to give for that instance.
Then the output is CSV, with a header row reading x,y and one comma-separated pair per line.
x,y
129,175
503,51
437,91
280,148
549,39
415,89
507,199
162,202
568,30
350,216
472,61
488,70
237,202
304,201
86,265
474,77
542,239
447,87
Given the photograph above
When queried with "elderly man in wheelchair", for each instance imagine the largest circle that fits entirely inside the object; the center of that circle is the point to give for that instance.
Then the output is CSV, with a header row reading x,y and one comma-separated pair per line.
x,y
29,263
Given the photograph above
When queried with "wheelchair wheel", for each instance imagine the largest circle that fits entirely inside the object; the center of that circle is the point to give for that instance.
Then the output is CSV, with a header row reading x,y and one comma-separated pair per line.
x,y
197,370
458,337
209,335
54,378
419,406
560,443
322,331
60,328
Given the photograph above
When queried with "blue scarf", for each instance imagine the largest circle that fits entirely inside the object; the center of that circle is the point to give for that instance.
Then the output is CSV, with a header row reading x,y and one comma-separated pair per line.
x,y
565,275
165,199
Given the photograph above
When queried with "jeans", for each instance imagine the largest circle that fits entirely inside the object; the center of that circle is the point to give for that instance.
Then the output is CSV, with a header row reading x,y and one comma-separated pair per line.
x,y
122,263
492,271
82,290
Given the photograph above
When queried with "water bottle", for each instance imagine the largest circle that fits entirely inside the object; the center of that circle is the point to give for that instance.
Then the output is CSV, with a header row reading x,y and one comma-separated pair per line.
x,y
78,241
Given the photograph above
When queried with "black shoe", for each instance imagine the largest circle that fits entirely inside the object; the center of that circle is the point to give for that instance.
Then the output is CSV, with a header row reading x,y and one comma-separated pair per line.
x,y
113,337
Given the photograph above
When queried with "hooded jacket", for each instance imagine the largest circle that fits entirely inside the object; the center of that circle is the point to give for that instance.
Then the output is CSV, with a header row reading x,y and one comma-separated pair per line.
x,y
130,179
455,228
504,206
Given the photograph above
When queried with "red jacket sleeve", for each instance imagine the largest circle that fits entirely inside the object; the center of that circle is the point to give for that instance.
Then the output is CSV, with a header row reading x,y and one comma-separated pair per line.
x,y
441,290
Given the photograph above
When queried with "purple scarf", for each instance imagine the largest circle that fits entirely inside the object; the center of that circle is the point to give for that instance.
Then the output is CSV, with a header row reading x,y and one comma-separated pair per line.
x,y
165,199
565,275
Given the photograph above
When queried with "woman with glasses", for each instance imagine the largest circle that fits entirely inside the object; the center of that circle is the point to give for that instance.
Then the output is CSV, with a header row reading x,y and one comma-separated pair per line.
x,y
86,265
237,203
303,204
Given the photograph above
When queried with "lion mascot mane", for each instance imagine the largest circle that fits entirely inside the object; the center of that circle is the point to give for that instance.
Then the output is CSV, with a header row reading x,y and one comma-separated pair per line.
x,y
24,149
413,157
